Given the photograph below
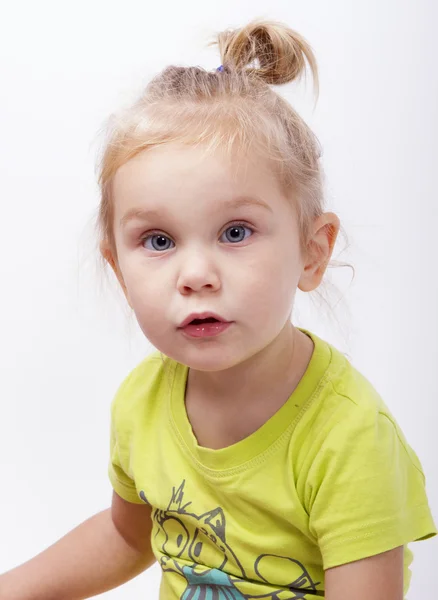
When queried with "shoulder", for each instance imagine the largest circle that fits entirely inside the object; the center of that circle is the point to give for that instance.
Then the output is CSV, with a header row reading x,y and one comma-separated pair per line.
x,y
346,397
143,385
348,416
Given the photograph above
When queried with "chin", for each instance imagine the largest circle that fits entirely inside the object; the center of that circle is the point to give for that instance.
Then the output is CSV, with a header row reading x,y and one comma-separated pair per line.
x,y
200,357
208,362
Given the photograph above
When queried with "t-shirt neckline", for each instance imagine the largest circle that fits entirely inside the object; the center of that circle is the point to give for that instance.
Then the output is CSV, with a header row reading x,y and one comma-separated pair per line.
x,y
269,434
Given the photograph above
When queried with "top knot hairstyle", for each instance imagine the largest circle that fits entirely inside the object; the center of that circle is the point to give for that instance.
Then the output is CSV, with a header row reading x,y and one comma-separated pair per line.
x,y
279,51
233,109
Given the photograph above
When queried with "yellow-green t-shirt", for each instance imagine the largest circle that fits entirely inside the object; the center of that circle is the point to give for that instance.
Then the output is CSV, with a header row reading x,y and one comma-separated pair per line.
x,y
327,480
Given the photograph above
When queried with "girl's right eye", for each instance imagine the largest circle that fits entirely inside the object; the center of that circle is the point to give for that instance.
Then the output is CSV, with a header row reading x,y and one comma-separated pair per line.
x,y
158,240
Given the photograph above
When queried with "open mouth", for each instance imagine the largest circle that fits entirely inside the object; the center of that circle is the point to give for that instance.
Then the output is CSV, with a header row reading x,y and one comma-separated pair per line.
x,y
199,321
210,319
206,327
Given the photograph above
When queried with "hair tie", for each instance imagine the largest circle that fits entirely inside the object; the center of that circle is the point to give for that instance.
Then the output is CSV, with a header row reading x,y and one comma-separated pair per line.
x,y
221,68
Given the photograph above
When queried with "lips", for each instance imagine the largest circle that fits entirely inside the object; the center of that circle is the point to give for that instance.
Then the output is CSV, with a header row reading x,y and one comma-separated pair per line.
x,y
204,327
206,317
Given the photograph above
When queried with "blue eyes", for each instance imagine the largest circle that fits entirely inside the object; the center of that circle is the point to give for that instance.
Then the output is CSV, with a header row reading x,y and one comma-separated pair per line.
x,y
236,233
160,241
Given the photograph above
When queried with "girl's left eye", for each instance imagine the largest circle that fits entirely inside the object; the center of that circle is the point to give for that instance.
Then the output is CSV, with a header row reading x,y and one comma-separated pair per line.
x,y
236,233
157,242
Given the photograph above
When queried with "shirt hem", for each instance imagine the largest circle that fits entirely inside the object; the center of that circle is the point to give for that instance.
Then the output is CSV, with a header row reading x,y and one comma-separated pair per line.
x,y
125,492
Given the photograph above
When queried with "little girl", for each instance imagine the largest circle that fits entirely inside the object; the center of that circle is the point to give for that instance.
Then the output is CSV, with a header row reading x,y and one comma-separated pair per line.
x,y
248,456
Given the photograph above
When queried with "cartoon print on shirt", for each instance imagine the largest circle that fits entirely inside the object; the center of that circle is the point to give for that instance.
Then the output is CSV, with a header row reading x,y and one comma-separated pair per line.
x,y
189,542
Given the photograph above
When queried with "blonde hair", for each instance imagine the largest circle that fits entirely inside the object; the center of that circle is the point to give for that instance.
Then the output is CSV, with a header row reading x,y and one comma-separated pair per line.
x,y
233,109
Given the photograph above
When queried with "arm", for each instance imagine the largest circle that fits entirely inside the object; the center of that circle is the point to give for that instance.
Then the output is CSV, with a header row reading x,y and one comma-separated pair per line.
x,y
379,577
105,551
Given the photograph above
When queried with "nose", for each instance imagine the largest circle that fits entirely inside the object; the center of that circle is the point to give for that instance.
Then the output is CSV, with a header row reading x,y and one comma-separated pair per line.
x,y
198,272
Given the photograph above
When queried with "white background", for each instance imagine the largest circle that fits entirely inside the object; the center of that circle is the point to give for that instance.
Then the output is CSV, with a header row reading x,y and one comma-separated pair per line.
x,y
66,337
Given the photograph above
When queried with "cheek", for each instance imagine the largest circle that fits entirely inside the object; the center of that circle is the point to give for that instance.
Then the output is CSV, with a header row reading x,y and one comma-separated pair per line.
x,y
270,281
144,288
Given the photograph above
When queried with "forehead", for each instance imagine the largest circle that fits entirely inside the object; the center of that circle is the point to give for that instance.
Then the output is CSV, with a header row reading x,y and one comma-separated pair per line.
x,y
166,172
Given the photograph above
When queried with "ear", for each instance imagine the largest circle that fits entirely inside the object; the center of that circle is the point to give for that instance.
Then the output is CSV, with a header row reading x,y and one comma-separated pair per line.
x,y
319,250
111,259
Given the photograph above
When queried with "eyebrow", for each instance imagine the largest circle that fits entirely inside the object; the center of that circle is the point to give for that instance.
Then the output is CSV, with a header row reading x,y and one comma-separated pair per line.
x,y
239,201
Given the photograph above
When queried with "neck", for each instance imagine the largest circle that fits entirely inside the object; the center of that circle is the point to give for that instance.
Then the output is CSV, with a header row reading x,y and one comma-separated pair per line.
x,y
279,365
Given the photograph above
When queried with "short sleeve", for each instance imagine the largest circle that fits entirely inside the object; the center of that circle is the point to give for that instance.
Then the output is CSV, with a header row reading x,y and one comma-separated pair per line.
x,y
366,490
118,468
